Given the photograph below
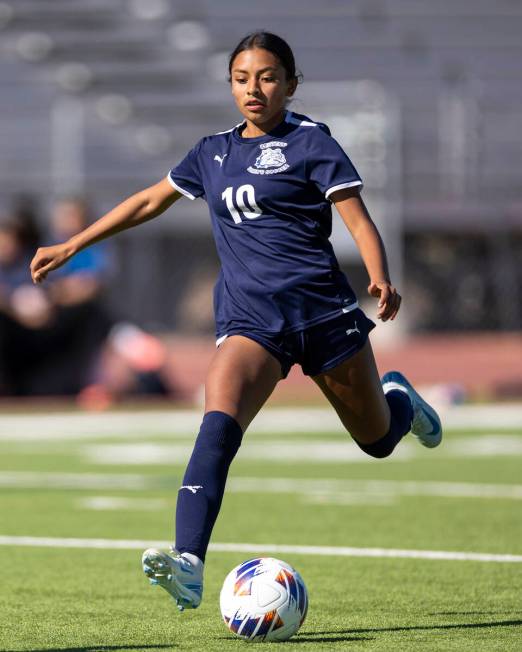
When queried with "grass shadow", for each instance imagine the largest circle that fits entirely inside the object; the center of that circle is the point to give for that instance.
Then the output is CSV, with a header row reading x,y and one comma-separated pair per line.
x,y
98,648
306,638
468,613
374,630
309,637
339,636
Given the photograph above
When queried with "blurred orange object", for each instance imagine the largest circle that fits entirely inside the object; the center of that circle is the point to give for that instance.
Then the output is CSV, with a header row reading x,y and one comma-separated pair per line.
x,y
142,351
94,398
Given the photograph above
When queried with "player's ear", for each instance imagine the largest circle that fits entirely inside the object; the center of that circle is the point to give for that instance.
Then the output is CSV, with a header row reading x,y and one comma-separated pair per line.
x,y
292,85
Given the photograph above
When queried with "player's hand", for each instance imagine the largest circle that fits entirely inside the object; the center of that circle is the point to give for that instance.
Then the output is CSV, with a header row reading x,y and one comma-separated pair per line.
x,y
48,258
389,300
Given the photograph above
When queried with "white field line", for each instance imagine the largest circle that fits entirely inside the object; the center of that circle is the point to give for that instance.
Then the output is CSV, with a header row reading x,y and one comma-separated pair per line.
x,y
313,487
303,450
53,480
350,499
185,423
323,487
288,451
256,548
119,503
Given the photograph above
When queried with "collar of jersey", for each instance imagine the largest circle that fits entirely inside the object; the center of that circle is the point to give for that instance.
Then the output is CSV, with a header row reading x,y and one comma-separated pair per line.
x,y
278,132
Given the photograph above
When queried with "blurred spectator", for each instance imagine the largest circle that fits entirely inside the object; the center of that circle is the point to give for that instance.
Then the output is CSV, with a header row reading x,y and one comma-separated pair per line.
x,y
25,214
50,337
19,237
131,360
83,278
58,339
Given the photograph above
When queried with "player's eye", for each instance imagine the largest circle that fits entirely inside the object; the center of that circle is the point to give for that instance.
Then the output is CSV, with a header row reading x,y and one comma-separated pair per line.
x,y
241,80
269,79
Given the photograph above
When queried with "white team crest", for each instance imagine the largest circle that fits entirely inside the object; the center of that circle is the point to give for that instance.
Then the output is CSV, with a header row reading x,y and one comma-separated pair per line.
x,y
271,159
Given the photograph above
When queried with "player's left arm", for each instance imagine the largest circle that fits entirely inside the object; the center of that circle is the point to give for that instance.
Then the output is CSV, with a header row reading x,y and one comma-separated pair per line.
x,y
355,215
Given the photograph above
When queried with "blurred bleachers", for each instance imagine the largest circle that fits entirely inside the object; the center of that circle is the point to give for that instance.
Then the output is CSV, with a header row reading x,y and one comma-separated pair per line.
x,y
104,97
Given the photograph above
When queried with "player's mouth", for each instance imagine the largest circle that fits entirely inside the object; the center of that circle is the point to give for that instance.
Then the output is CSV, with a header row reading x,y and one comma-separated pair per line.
x,y
255,106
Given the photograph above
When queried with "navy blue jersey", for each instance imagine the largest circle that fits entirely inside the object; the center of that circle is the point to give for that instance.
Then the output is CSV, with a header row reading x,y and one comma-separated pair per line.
x,y
272,219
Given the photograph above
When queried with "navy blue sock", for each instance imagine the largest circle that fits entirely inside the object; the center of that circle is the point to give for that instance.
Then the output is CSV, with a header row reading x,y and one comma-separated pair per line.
x,y
201,493
400,424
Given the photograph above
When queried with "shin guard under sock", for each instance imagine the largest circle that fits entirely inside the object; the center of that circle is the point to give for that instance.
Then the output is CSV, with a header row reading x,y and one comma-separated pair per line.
x,y
401,414
201,493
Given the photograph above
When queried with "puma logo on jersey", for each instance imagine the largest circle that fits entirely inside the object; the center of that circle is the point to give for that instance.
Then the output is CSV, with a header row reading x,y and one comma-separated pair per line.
x,y
220,159
192,488
350,331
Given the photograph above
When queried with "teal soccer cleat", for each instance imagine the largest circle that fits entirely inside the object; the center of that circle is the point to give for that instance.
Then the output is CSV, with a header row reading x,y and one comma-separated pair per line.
x,y
425,425
181,578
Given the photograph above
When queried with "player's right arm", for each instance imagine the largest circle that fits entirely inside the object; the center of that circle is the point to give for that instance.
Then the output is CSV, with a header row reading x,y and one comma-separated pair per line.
x,y
138,208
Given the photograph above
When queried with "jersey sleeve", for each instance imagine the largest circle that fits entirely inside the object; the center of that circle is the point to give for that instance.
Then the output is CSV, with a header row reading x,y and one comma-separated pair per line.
x,y
186,176
329,168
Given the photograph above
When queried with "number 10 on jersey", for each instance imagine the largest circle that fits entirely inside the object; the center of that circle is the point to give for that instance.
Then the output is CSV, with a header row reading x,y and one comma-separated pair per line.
x,y
245,204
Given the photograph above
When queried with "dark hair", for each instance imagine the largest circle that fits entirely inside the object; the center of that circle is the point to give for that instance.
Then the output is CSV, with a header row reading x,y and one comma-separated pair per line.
x,y
274,44
24,219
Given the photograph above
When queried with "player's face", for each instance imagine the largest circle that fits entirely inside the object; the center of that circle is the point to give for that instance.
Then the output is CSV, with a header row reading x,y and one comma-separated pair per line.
x,y
260,89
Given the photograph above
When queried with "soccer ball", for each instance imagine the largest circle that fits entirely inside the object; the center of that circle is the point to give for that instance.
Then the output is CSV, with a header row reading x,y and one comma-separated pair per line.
x,y
263,599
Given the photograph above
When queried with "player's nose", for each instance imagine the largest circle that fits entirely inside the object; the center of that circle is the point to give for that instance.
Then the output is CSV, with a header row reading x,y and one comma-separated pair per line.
x,y
253,88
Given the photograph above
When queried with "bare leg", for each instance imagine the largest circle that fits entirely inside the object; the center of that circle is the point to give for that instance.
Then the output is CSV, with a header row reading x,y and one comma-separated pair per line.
x,y
241,377
354,390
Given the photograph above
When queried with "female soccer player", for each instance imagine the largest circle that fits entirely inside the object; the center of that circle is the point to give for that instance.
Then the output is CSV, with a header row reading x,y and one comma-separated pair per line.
x,y
280,298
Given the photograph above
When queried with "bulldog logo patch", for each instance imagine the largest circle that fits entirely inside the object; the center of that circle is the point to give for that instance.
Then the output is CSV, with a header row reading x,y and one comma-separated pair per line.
x,y
271,160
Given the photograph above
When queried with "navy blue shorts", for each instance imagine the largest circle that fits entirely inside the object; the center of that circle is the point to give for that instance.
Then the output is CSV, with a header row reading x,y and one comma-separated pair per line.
x,y
317,348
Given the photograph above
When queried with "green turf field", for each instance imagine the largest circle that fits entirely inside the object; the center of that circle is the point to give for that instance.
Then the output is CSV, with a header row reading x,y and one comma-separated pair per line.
x,y
67,477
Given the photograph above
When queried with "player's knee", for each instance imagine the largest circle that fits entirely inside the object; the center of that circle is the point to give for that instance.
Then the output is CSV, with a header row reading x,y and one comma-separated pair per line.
x,y
220,431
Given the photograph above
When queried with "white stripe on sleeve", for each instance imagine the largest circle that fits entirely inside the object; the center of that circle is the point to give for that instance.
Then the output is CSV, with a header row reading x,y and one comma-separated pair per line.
x,y
341,186
180,189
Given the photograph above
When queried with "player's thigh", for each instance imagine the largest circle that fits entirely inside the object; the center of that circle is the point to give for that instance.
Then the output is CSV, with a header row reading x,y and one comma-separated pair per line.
x,y
241,377
354,390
